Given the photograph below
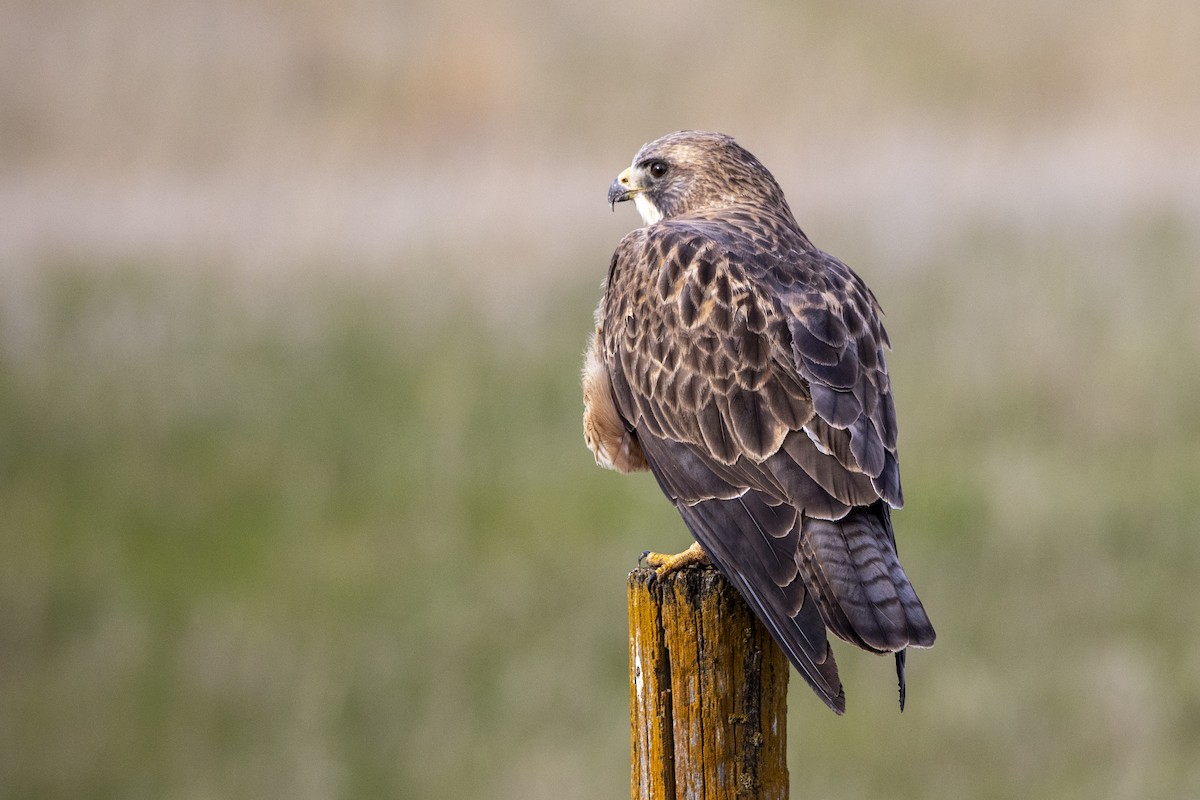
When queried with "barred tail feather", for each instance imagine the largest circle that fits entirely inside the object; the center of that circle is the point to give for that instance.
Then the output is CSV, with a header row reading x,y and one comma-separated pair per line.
x,y
863,593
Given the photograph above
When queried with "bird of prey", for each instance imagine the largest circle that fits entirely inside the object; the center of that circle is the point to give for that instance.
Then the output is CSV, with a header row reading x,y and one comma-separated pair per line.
x,y
744,368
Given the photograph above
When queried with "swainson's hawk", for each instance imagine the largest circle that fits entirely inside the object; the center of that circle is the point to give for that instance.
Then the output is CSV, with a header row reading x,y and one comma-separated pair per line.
x,y
745,369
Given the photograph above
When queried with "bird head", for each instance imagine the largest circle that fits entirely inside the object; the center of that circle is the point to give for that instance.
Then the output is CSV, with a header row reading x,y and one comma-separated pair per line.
x,y
693,171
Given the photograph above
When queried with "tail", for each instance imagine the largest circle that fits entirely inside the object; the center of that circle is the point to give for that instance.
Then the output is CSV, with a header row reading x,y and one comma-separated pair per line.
x,y
862,592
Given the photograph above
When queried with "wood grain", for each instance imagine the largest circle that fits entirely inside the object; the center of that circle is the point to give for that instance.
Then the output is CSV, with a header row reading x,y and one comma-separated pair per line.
x,y
708,692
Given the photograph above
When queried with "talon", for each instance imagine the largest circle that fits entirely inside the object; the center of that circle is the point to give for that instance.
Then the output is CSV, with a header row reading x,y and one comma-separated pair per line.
x,y
664,564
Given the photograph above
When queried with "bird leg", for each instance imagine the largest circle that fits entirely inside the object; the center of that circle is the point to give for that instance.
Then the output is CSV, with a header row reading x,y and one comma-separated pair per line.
x,y
665,564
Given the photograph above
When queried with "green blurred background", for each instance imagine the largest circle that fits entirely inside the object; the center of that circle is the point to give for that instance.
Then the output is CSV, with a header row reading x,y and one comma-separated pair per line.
x,y
294,501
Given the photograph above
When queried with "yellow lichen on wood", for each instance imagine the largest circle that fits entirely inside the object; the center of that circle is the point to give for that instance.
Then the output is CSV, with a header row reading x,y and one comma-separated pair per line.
x,y
708,692
649,691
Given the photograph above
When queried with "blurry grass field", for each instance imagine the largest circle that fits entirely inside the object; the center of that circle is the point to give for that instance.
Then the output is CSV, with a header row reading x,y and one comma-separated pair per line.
x,y
317,553
334,544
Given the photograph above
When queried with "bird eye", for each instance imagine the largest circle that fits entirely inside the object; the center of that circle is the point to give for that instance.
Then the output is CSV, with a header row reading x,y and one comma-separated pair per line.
x,y
657,169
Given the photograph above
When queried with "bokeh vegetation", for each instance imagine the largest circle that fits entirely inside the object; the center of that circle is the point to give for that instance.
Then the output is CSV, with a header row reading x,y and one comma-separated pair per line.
x,y
293,495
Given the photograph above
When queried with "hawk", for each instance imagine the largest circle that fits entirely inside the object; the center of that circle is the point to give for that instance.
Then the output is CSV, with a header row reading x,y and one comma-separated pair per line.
x,y
744,368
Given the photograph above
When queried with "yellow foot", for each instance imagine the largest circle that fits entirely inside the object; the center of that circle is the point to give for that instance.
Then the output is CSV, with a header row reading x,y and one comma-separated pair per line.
x,y
664,564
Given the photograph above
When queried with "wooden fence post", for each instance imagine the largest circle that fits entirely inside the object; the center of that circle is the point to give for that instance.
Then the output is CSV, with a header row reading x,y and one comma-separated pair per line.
x,y
707,692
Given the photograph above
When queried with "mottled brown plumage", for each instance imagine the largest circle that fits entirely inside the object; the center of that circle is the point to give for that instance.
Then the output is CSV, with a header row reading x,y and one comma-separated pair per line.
x,y
745,369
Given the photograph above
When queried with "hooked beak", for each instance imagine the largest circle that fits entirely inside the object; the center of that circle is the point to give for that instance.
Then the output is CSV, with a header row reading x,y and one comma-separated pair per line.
x,y
621,189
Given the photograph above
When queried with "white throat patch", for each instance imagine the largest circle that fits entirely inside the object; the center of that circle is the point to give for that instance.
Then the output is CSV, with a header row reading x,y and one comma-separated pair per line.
x,y
650,214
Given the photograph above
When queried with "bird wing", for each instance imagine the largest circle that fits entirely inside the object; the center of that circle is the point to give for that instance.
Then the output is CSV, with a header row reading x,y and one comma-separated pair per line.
x,y
758,391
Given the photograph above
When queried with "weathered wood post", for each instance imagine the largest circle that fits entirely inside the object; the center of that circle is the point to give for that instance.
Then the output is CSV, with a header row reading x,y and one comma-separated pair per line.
x,y
707,692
